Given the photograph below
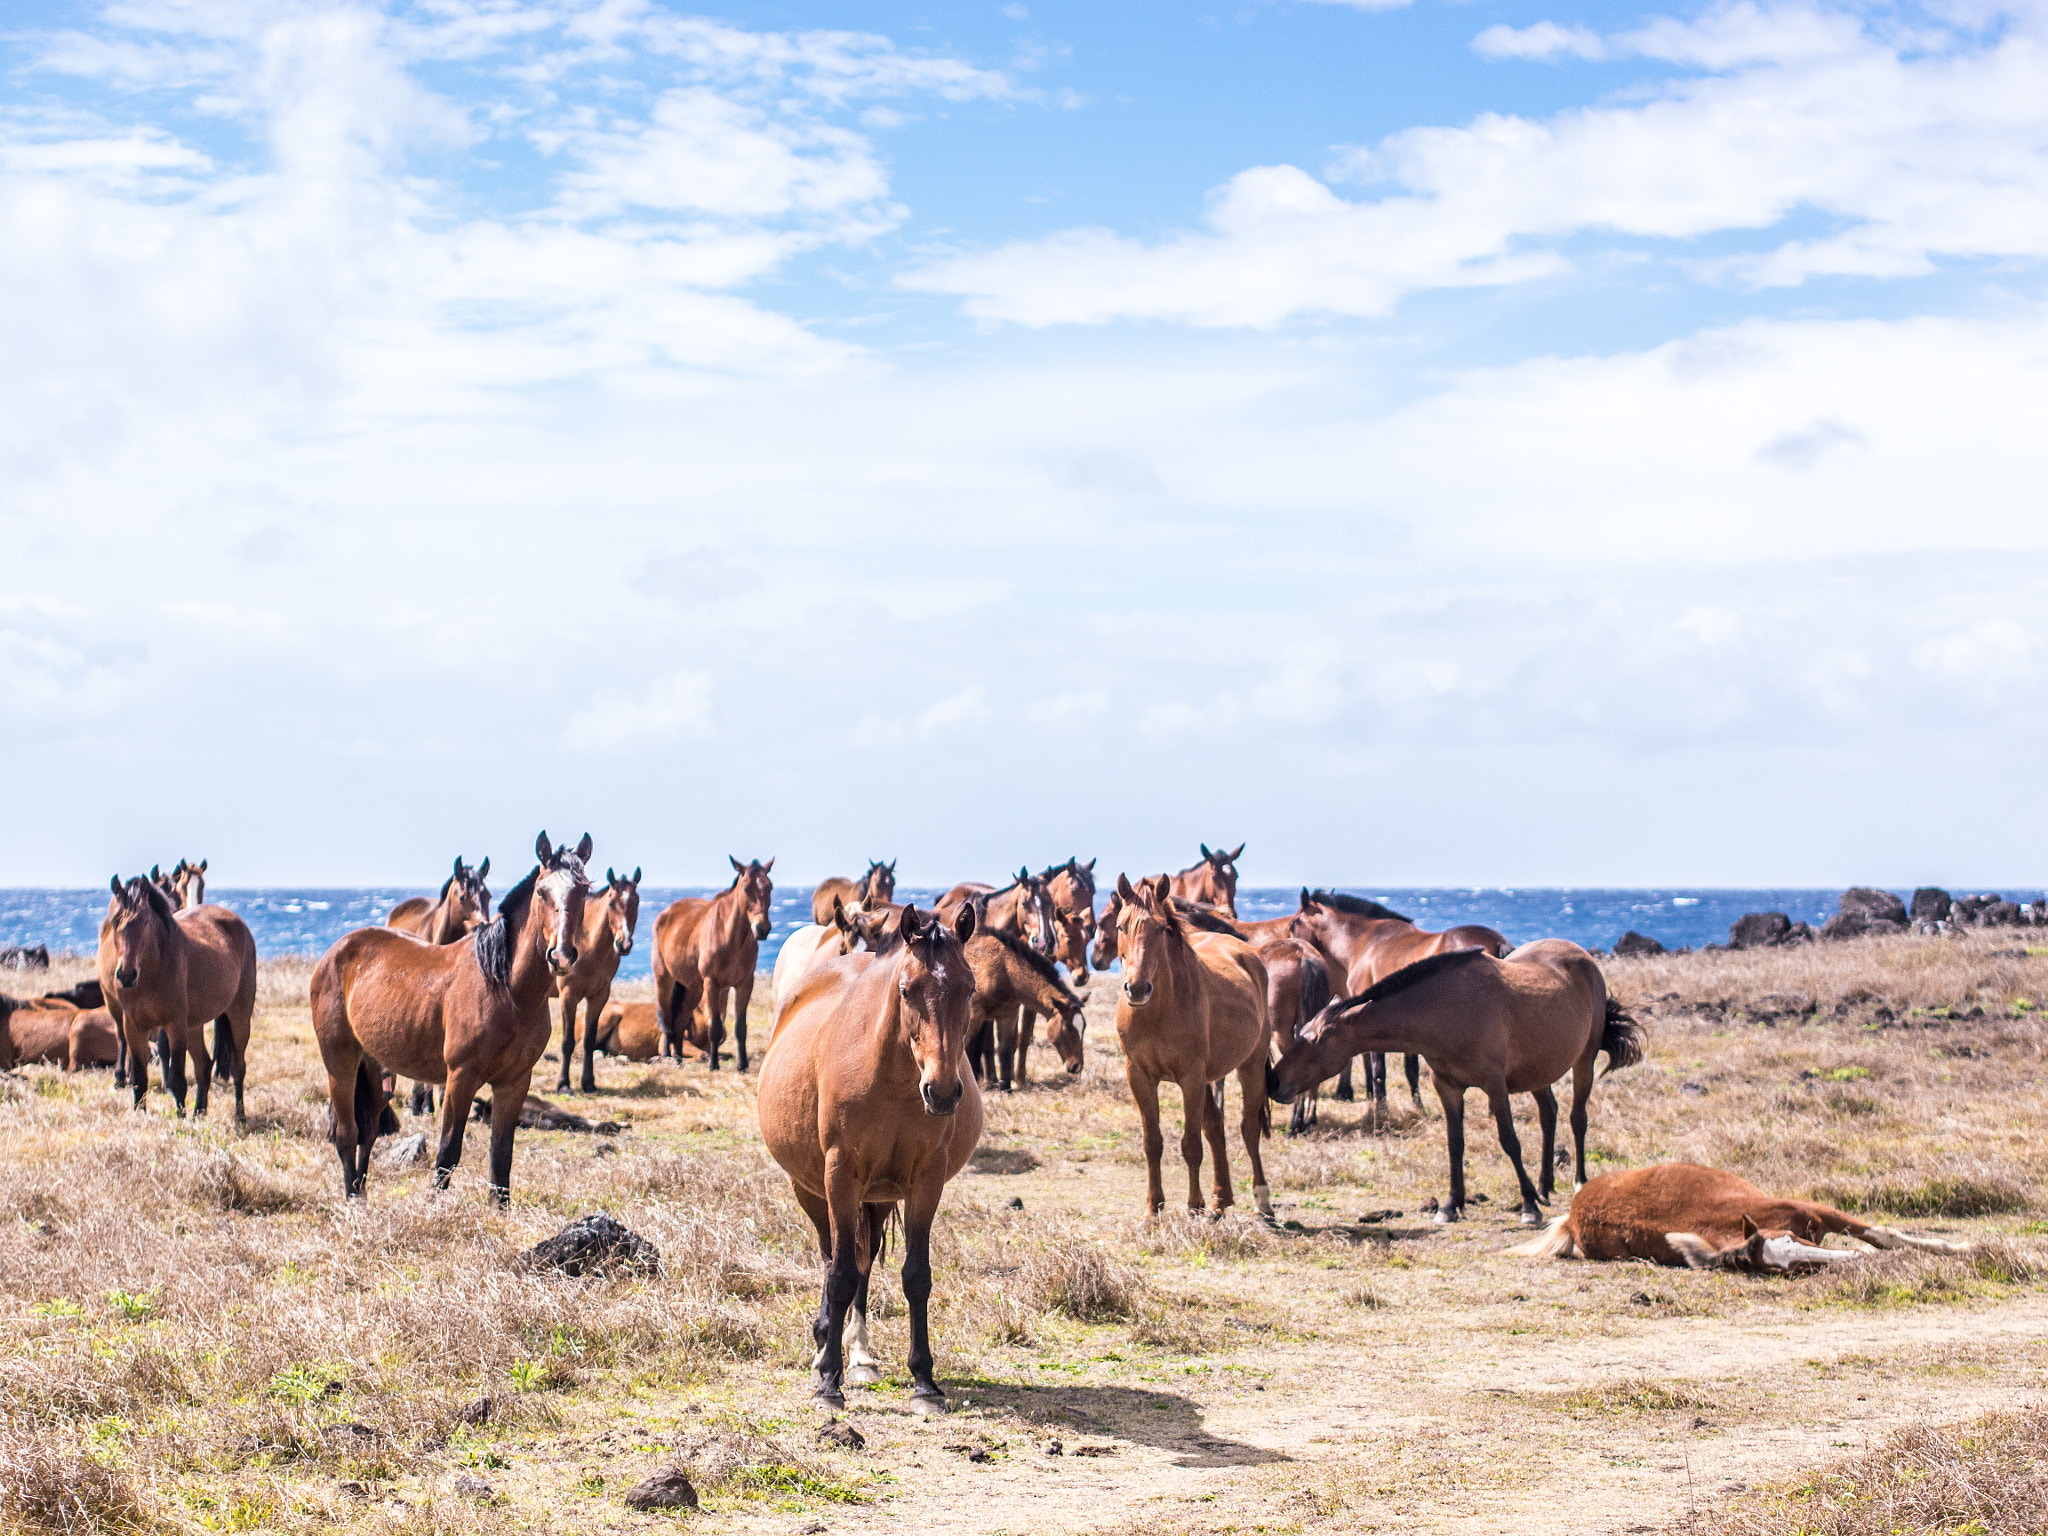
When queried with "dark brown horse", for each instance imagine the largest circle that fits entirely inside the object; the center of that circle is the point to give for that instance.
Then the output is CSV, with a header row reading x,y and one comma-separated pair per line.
x,y
1502,1026
1022,908
875,888
460,1014
608,923
1192,1010
161,969
866,1101
463,906
1013,985
1366,943
705,948
1213,882
1072,888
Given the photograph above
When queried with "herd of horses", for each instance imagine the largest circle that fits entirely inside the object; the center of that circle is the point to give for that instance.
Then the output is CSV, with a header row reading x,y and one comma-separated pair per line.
x,y
889,1021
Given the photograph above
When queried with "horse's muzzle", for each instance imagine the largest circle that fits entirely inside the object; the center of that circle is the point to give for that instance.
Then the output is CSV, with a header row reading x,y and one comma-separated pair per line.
x,y
936,1103
1273,1089
1137,993
761,928
562,961
625,948
1073,1069
126,978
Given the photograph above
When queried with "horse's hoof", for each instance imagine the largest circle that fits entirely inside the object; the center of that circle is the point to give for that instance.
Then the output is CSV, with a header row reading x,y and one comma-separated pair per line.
x,y
831,1402
1445,1215
863,1376
927,1404
1530,1218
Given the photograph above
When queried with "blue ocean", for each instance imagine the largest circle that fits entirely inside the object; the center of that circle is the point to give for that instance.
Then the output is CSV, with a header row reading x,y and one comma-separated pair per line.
x,y
306,922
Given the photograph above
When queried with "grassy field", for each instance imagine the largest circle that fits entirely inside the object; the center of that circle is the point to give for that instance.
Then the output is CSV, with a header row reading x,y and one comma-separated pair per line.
x,y
197,1335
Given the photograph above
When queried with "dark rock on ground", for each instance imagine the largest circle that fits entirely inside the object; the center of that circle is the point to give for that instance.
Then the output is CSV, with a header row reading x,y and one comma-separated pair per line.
x,y
1872,905
839,1432
474,1487
478,1412
537,1114
595,1244
2000,914
1845,925
1970,909
1878,926
1633,943
1759,930
668,1489
1930,904
404,1152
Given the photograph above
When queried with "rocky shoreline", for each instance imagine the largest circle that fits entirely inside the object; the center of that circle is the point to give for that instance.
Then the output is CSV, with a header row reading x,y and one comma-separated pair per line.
x,y
1864,911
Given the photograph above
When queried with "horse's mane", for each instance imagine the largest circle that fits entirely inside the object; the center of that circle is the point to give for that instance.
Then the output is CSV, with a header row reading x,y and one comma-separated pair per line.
x,y
1024,952
494,939
1208,919
1357,906
446,886
1410,976
159,903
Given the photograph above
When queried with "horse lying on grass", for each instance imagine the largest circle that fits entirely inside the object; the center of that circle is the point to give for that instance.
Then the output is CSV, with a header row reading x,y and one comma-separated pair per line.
x,y
1681,1213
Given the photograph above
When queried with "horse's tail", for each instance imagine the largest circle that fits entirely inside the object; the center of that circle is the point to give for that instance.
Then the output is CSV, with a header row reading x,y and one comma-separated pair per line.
x,y
878,1232
223,1049
1553,1242
1315,987
371,1106
1621,1037
1266,1118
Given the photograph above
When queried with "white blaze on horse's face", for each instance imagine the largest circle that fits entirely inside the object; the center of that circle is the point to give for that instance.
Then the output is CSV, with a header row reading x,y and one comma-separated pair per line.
x,y
561,892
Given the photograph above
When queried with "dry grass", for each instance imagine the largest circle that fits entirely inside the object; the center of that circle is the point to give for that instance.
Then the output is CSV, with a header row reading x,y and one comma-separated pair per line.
x,y
1988,1477
197,1334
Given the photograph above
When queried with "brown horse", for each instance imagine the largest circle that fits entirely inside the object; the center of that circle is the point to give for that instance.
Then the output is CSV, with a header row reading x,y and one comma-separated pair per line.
x,y
189,881
1213,882
460,1014
608,924
42,1030
1366,943
1681,1213
464,906
1072,888
1191,1011
1013,985
1503,1026
875,888
1022,908
631,1030
161,969
865,1101
705,948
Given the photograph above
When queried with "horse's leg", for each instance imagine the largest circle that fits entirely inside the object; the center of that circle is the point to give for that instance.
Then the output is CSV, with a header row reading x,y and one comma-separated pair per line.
x,y
343,1069
1027,1025
135,1039
918,1211
1201,1117
714,1017
1254,1122
422,1100
1546,1112
175,1045
568,1001
842,1279
593,1010
120,1054
742,996
1412,1065
1376,1081
508,1098
1582,1090
238,1037
1344,1094
1504,1118
202,1067
1145,1092
1006,1045
980,1050
1454,1138
456,1096
862,1369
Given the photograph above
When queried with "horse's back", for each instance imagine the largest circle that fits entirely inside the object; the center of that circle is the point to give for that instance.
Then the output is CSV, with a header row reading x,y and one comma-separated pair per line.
x,y
41,1031
788,1101
385,988
221,960
1564,984
410,914
1626,1214
838,887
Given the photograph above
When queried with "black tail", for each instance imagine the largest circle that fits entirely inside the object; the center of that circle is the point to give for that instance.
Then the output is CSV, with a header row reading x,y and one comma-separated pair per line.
x,y
369,1103
878,1229
223,1050
1315,987
1621,1037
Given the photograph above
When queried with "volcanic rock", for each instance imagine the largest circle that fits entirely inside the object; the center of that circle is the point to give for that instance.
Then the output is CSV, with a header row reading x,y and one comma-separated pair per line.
x,y
594,1245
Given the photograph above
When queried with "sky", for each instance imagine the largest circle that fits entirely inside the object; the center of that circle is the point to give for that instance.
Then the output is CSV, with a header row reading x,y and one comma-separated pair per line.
x,y
1433,444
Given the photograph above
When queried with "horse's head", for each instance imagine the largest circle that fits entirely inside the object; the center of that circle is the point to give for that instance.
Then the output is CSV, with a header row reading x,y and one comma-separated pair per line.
x,y
468,898
1104,950
1317,1054
189,881
560,889
622,908
752,876
137,922
1036,913
1146,926
167,884
1072,885
1763,1251
1218,882
878,886
935,995
1068,1032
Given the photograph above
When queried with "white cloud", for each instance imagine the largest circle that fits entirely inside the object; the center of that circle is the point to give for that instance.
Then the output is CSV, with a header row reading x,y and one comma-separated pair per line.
x,y
666,710
1917,152
1544,40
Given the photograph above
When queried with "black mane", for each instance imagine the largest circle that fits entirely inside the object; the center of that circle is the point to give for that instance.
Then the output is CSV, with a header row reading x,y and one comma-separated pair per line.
x,y
1357,906
1024,952
1410,976
494,939
1208,919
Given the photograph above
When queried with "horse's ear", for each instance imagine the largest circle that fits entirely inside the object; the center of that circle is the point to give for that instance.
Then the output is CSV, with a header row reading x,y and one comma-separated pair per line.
x,y
202,866
892,866
769,865
1023,874
736,864
1162,892
912,924
543,849
483,868
583,848
1123,888
458,866
963,925
1231,857
114,885
839,916
155,872
636,874
1749,1228
1305,902
611,876
1205,850
1090,866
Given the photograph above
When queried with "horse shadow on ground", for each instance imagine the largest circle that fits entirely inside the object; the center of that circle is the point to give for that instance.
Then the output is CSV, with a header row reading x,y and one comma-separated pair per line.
x,y
1161,1419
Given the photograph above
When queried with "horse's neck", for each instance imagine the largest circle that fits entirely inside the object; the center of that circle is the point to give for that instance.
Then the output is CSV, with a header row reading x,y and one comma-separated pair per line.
x,y
531,975
729,915
597,926
889,1041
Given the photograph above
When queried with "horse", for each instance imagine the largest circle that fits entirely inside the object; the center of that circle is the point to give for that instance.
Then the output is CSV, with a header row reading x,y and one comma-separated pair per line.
x,y
704,947
1703,1218
1366,943
161,969
464,905
631,1030
1191,1011
1072,888
460,1014
866,1101
189,881
877,886
1504,1026
811,943
608,924
1024,904
1213,881
1013,985
42,1030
